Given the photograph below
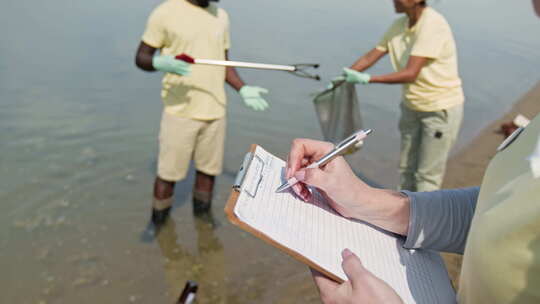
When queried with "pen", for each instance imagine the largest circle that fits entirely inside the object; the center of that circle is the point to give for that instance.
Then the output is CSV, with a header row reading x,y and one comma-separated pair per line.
x,y
337,151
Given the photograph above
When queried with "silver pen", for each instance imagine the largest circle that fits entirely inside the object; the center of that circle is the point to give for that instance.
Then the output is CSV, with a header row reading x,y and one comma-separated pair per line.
x,y
337,151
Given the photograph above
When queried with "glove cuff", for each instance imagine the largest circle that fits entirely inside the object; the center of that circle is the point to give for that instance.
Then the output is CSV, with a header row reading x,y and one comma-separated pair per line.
x,y
243,90
160,63
368,78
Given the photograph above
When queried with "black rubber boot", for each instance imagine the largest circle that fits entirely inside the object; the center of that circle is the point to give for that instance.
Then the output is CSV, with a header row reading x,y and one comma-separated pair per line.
x,y
160,211
202,202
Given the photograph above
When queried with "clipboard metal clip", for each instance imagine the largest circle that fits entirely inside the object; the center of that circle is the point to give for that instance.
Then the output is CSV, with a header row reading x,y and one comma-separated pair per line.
x,y
241,175
249,184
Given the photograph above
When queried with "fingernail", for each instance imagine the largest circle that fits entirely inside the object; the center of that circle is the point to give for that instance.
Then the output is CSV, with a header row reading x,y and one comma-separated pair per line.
x,y
346,253
297,189
304,193
288,173
307,196
300,175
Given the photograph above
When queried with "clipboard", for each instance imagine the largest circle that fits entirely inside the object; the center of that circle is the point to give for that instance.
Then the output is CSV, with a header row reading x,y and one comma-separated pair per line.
x,y
314,234
231,204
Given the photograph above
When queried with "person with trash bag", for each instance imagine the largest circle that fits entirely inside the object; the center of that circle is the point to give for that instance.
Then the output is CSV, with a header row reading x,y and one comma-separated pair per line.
x,y
496,226
423,53
194,114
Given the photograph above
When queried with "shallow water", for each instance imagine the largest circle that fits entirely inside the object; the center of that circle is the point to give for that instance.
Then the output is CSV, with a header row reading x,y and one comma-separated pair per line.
x,y
79,127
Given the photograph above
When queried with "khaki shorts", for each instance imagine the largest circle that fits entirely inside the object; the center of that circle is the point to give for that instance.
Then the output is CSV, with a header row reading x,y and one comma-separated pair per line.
x,y
183,139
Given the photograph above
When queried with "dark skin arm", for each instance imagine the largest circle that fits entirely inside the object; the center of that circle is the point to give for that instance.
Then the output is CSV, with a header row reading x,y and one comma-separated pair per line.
x,y
369,59
407,75
145,53
143,58
232,77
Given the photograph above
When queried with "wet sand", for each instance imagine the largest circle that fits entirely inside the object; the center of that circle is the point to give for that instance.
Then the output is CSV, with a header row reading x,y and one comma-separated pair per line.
x,y
467,167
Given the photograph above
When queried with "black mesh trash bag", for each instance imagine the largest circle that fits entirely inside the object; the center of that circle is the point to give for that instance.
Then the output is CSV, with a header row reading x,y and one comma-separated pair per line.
x,y
338,111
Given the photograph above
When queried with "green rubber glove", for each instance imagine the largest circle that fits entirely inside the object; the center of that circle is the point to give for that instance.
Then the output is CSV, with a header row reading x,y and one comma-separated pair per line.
x,y
252,97
353,76
167,63
335,80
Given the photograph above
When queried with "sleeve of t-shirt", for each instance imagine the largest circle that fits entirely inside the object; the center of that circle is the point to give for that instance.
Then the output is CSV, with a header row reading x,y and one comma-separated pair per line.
x,y
430,40
440,220
383,43
154,34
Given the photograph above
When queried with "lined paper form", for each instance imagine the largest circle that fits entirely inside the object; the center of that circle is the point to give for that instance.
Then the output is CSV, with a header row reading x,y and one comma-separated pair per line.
x,y
315,231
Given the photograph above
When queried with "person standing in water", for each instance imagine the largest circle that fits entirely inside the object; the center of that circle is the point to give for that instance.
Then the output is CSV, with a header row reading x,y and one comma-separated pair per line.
x,y
423,53
194,114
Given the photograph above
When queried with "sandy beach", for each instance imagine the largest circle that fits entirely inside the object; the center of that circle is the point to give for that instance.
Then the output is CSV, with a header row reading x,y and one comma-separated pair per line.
x,y
467,167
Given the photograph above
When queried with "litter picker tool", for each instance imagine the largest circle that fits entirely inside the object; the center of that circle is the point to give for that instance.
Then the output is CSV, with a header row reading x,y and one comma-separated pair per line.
x,y
295,69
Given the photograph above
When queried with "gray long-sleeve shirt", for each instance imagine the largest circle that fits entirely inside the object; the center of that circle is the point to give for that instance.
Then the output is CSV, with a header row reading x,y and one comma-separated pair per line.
x,y
440,220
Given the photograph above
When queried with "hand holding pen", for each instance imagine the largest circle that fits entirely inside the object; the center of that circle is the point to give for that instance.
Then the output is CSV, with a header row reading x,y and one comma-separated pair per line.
x,y
338,150
335,179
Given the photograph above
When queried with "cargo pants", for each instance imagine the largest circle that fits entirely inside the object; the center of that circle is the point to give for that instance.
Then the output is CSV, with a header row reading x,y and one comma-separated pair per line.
x,y
426,140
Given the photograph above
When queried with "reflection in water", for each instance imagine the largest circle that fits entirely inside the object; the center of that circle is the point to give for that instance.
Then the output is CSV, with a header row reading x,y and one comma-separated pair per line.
x,y
206,267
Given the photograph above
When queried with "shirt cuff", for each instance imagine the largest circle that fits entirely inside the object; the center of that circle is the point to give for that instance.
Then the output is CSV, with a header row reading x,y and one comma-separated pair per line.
x,y
381,48
414,238
152,43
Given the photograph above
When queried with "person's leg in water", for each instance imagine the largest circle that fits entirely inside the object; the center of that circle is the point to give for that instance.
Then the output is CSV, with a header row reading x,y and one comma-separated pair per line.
x,y
203,192
177,141
208,157
163,197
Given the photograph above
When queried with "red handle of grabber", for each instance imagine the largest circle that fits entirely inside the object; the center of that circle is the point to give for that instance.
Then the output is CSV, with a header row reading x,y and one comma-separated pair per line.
x,y
185,57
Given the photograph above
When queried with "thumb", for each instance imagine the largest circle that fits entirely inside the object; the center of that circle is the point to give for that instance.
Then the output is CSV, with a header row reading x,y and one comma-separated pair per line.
x,y
313,177
347,71
352,266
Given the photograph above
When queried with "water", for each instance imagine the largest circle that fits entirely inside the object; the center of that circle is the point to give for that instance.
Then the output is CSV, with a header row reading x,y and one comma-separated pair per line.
x,y
79,139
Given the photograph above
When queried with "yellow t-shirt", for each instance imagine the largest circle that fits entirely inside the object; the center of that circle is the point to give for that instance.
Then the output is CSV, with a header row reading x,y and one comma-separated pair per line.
x,y
502,256
438,86
177,26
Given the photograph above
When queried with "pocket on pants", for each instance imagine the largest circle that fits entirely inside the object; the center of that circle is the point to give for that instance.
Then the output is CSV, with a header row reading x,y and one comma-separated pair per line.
x,y
436,123
445,115
444,123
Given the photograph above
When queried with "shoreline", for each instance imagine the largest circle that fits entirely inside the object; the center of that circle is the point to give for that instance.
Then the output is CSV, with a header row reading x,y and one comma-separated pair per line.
x,y
466,168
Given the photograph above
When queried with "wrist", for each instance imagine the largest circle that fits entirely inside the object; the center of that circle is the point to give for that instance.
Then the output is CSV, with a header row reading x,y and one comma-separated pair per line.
x,y
386,209
155,62
366,198
372,79
163,63
368,78
398,213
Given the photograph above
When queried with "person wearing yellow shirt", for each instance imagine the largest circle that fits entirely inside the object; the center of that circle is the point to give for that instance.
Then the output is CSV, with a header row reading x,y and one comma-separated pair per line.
x,y
496,226
194,114
423,53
